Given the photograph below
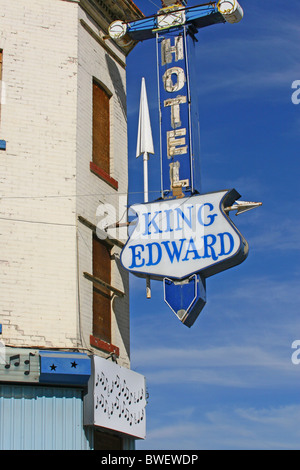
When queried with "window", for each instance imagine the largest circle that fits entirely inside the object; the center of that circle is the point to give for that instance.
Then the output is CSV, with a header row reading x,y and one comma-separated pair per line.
x,y
101,128
101,295
103,292
100,165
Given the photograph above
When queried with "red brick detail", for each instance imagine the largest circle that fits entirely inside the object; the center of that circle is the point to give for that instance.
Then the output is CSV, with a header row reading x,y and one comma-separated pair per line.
x,y
98,343
103,175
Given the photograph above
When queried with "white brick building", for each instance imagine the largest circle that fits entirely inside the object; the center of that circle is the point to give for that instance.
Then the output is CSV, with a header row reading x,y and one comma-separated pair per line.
x,y
64,304
50,189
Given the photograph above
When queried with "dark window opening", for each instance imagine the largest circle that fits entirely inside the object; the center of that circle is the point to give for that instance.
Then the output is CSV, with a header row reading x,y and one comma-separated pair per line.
x,y
106,441
101,127
101,296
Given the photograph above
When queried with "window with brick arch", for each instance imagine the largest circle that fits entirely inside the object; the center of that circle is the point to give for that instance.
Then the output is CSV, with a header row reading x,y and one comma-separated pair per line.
x,y
101,127
102,296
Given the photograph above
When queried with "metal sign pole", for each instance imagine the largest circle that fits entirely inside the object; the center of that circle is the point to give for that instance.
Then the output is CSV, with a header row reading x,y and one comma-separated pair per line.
x,y
145,147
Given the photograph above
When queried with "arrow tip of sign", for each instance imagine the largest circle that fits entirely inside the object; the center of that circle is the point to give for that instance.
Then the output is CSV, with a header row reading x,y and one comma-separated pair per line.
x,y
243,206
247,206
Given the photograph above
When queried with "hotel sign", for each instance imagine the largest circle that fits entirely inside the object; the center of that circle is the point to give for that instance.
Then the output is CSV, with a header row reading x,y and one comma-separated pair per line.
x,y
185,236
177,112
181,237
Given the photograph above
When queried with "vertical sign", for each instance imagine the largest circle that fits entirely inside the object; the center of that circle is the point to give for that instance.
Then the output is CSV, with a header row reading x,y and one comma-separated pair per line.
x,y
179,149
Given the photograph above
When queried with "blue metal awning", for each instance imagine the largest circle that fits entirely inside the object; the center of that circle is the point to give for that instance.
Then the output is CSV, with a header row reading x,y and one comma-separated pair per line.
x,y
64,368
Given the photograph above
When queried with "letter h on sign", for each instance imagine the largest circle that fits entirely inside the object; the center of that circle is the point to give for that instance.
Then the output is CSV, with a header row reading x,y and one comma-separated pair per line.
x,y
180,166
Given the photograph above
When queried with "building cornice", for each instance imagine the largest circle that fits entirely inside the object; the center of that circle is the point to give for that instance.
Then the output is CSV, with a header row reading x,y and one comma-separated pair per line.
x,y
104,12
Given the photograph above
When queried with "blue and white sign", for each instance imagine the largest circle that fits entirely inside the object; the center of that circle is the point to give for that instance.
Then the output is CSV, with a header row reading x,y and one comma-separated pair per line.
x,y
178,155
186,236
180,237
186,298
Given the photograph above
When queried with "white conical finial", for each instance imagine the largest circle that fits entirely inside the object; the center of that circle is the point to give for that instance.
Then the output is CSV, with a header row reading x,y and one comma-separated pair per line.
x,y
144,141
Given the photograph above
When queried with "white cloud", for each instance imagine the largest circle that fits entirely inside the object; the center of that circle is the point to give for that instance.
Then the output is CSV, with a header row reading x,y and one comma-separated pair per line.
x,y
261,57
209,385
228,366
266,292
277,232
275,428
242,340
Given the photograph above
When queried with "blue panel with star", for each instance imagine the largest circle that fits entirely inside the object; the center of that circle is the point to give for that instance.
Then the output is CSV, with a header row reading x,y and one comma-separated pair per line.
x,y
68,368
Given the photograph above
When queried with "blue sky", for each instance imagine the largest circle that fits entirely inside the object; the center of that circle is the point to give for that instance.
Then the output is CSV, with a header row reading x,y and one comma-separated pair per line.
x,y
229,381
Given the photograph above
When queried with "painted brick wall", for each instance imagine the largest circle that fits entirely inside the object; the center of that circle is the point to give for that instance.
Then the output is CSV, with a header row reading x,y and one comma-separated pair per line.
x,y
95,196
45,178
38,182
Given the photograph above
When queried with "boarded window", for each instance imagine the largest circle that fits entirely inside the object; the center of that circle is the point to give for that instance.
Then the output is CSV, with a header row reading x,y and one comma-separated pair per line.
x,y
101,296
101,125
